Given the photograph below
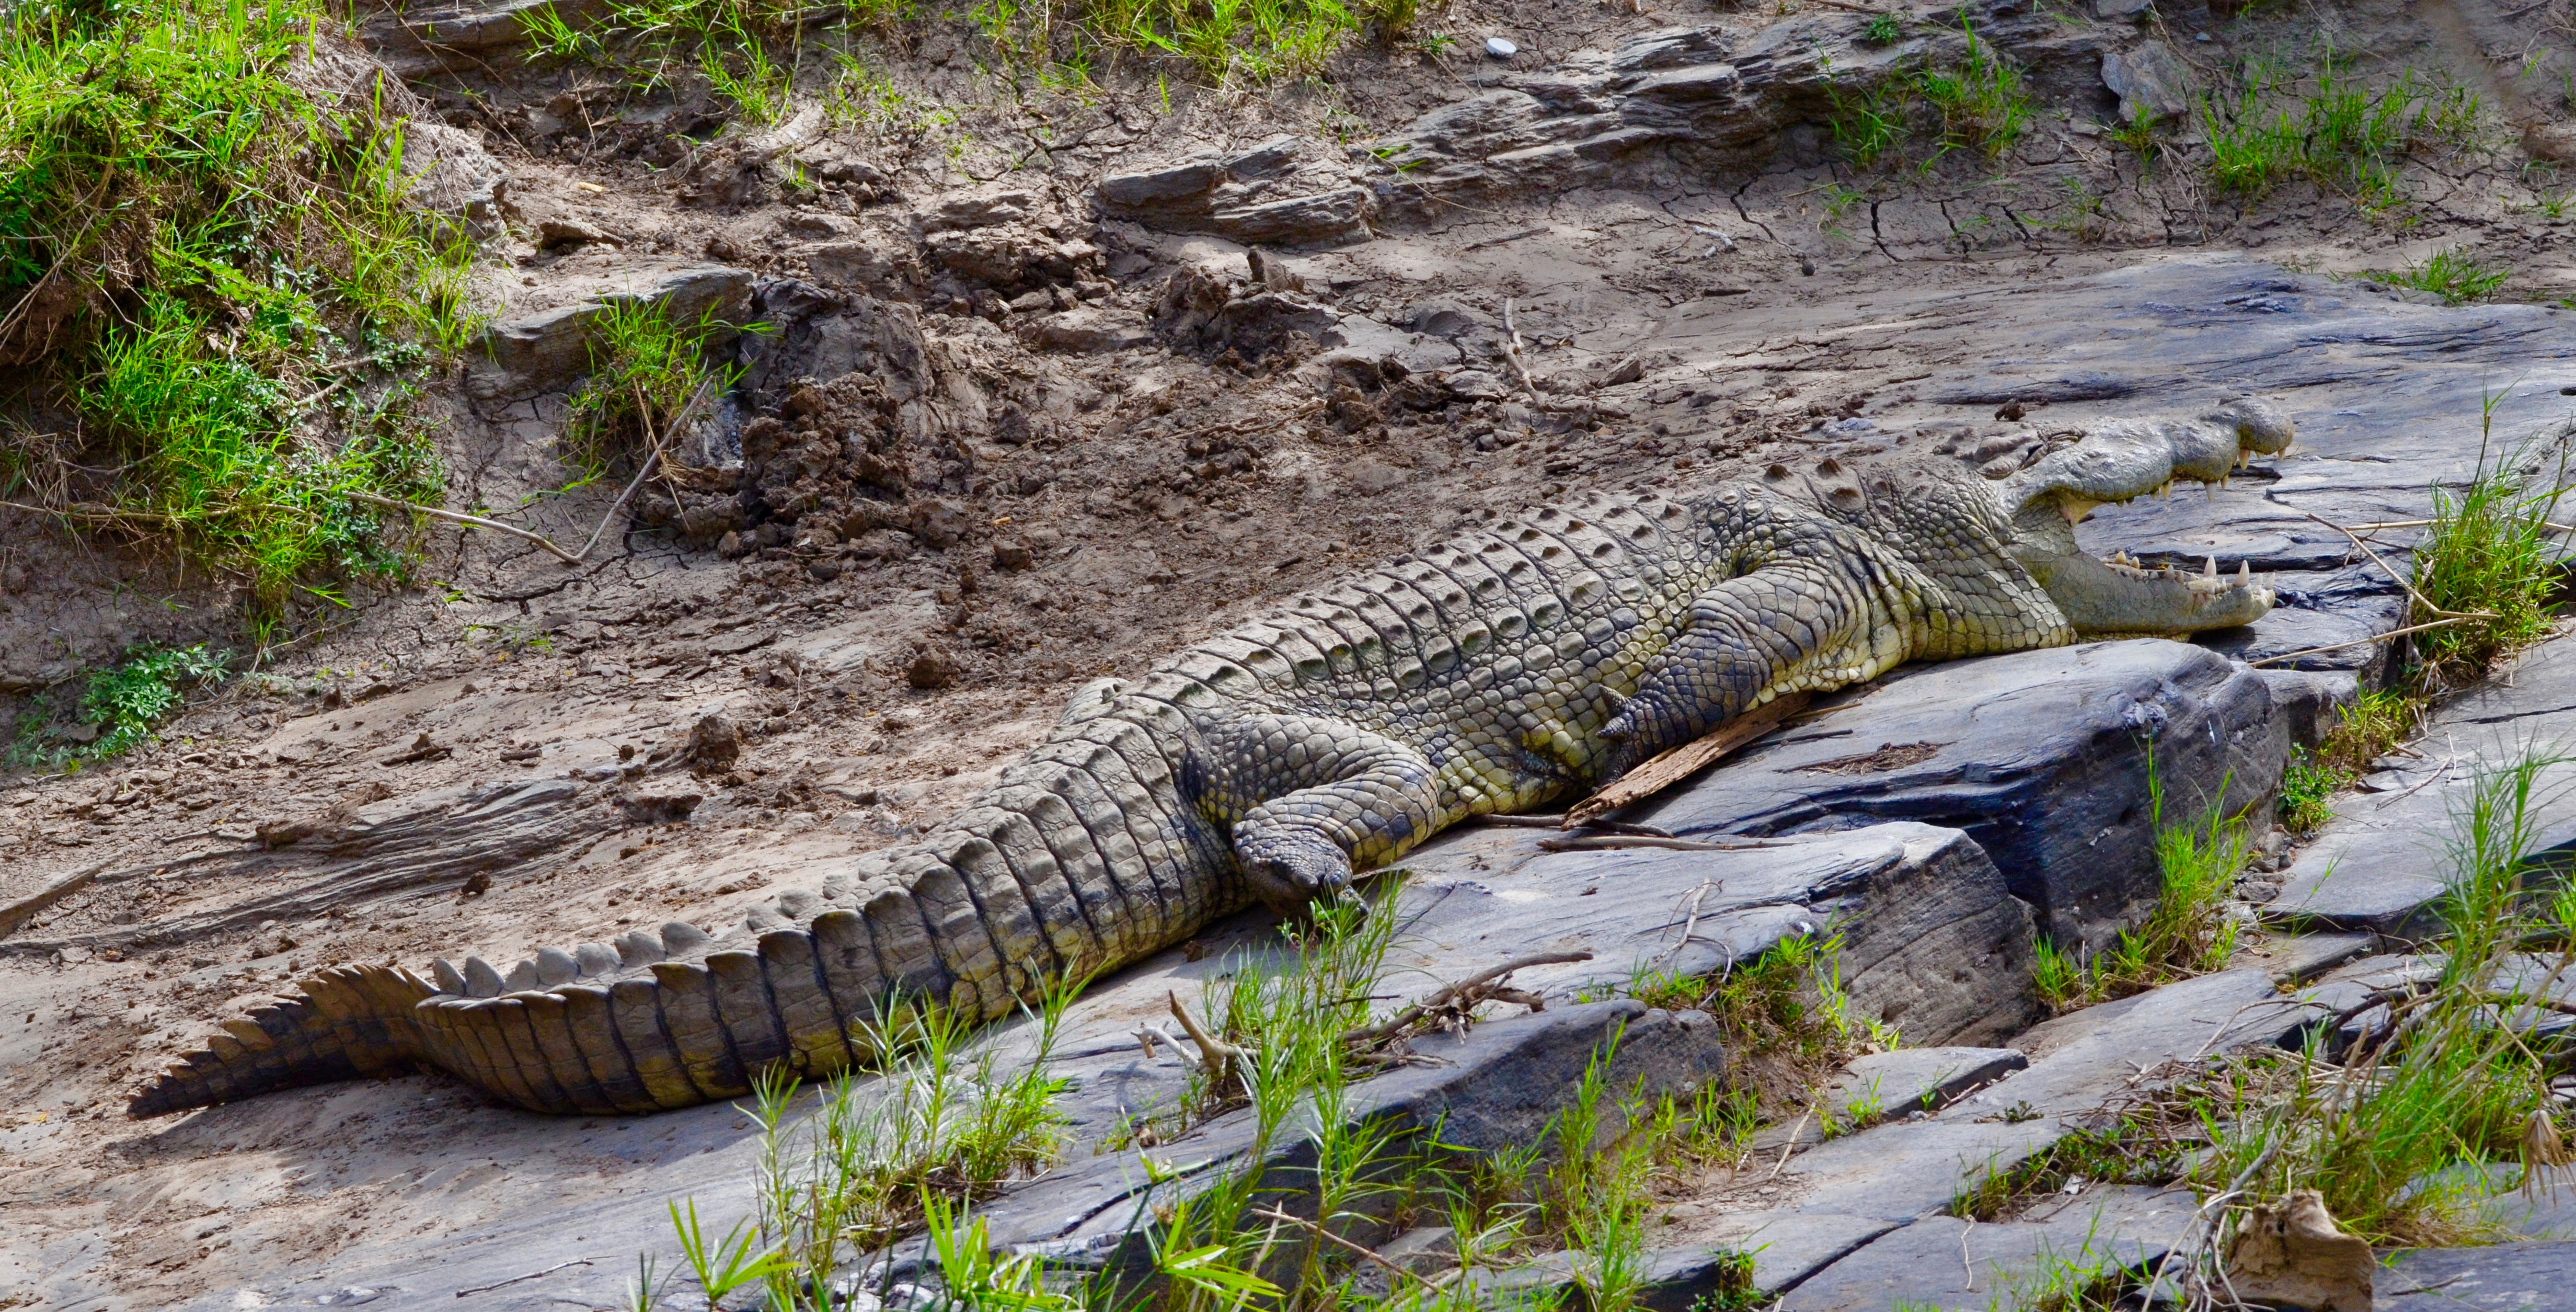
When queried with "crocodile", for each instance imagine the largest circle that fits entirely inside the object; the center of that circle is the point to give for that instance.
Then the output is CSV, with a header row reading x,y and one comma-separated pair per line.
x,y
1515,668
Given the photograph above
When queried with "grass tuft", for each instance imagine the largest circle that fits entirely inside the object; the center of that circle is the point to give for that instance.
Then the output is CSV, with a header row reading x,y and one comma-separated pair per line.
x,y
2490,552
2454,275
2187,933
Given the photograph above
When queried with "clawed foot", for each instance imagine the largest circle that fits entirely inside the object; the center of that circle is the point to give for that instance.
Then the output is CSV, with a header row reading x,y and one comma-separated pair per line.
x,y
1290,869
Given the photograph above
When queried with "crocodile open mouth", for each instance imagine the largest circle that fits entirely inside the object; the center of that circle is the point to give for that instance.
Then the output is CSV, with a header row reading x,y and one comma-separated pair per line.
x,y
2209,579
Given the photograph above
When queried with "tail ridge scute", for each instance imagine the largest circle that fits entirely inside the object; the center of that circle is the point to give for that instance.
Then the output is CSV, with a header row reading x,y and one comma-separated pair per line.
x,y
348,1021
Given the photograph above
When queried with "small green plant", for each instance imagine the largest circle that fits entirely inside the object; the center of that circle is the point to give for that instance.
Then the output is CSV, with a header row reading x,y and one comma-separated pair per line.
x,y
648,372
2366,729
2331,128
1883,30
2490,554
2454,275
1785,1014
2188,932
1866,123
121,704
2138,134
1983,102
1839,201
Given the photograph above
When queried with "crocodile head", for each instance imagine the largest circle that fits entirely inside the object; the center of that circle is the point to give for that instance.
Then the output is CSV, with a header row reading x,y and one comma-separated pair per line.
x,y
2120,461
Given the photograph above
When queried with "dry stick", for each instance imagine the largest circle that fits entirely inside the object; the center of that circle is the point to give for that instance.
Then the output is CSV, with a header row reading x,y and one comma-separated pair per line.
x,y
1791,1146
644,468
1214,1053
2357,642
1671,767
1616,842
1512,327
485,1289
1448,991
477,521
1329,1237
2402,580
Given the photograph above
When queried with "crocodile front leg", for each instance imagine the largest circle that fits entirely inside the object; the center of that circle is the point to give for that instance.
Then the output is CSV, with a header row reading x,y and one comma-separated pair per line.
x,y
1311,799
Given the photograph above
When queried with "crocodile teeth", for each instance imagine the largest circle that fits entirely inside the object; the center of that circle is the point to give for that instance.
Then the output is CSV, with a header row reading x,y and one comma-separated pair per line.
x,y
2243,457
2209,567
2076,509
2245,572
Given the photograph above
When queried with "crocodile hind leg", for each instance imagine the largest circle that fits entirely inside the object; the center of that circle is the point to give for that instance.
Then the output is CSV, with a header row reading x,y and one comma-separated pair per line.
x,y
1788,626
1313,799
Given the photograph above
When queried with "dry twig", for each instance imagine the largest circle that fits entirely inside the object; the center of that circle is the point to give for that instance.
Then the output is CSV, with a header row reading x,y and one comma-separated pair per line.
x,y
1482,983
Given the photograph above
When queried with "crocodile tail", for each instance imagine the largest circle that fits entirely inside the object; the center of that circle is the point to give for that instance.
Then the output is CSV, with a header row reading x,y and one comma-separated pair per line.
x,y
1085,857
348,1021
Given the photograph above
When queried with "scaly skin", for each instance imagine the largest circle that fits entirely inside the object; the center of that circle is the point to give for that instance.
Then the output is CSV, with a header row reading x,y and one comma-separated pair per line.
x,y
1516,668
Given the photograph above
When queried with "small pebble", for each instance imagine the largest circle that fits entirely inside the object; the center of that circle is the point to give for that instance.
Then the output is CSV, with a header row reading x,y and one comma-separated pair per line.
x,y
1500,48
2200,36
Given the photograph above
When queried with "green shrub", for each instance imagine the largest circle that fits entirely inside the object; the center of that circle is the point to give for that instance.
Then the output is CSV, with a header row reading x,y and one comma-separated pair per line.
x,y
205,242
123,703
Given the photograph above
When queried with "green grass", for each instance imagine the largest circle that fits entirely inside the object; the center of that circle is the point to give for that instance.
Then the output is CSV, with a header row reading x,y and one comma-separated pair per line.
x,y
2435,1109
1788,1021
2365,730
209,256
748,51
2330,128
123,703
2188,932
1978,102
2454,275
647,372
2489,553
1982,100
880,1158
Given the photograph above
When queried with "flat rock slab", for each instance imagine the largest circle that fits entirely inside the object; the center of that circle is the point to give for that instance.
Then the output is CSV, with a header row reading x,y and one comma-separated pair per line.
x,y
2040,756
1949,1264
1881,1086
1932,940
2383,863
2501,1278
1904,1171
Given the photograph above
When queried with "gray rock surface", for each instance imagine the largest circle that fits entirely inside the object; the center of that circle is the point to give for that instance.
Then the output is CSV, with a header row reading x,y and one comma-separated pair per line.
x,y
1952,1265
1918,1079
1267,194
2384,862
2502,1278
2040,756
2151,82
541,350
1932,941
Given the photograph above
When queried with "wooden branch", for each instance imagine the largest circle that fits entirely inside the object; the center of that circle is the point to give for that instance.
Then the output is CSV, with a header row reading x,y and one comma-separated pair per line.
x,y
1214,1053
1616,842
476,521
1671,767
1371,1254
1512,327
1420,1009
2356,642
